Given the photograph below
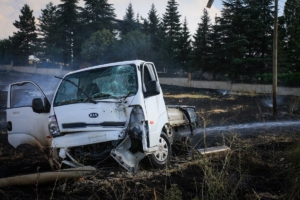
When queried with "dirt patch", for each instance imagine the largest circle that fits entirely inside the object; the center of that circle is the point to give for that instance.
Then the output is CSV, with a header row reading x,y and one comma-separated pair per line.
x,y
262,164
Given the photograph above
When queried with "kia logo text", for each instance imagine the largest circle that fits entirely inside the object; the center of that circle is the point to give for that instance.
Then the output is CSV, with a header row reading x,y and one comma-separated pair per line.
x,y
93,115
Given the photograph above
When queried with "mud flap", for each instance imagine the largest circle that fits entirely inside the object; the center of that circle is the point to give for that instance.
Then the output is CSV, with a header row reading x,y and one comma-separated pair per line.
x,y
125,158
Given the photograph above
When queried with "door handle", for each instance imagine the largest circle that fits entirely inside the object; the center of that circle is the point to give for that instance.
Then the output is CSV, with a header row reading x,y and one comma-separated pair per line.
x,y
9,126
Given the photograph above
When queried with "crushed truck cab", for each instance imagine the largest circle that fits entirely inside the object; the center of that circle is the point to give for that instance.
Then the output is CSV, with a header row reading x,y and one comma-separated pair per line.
x,y
115,110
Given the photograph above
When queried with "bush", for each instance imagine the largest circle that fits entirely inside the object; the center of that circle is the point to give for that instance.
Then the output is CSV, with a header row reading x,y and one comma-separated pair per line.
x,y
284,79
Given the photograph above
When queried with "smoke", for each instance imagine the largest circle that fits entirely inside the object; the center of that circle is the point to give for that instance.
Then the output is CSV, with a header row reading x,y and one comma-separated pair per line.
x,y
268,101
46,82
223,92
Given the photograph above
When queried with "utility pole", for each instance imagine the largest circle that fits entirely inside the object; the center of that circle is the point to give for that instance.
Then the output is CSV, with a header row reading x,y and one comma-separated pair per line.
x,y
275,33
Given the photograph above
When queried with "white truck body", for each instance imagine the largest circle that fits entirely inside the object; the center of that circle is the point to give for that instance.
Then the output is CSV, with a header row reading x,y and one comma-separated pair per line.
x,y
113,110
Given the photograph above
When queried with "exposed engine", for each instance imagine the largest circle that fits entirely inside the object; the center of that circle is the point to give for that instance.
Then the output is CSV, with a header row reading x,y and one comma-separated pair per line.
x,y
93,152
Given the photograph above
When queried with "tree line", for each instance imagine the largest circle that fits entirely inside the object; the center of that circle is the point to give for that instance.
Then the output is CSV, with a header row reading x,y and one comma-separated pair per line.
x,y
238,44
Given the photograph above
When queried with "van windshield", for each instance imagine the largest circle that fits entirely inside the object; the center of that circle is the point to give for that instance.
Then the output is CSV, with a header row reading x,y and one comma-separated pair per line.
x,y
102,83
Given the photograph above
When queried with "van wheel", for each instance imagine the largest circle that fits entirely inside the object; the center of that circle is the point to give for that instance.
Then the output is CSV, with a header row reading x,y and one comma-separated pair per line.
x,y
161,157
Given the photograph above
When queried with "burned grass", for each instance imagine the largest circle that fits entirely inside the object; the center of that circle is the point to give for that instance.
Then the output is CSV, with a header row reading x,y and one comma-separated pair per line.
x,y
262,163
259,167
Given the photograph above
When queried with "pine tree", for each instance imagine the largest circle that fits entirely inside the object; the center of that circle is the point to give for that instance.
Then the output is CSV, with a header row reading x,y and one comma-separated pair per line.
x,y
98,15
48,30
201,45
292,22
234,41
153,28
138,22
129,22
284,63
172,27
215,55
171,20
259,31
68,18
24,40
185,48
5,52
152,23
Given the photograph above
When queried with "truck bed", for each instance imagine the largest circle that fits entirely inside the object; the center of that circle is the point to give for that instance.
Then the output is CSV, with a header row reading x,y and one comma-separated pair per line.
x,y
181,115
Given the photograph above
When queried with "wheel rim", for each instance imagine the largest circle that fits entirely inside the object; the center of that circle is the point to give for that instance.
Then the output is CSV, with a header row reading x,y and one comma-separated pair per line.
x,y
162,153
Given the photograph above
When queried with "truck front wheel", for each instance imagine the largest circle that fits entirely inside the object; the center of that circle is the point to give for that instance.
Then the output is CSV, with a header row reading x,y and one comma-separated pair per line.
x,y
161,157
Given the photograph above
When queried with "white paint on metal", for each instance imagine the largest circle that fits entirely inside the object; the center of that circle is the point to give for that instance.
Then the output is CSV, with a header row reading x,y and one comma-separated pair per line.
x,y
214,149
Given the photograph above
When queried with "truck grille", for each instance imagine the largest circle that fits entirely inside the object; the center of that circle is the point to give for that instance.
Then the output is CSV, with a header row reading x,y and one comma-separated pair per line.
x,y
103,124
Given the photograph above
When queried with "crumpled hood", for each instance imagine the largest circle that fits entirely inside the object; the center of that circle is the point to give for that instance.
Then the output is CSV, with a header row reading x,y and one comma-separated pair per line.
x,y
89,116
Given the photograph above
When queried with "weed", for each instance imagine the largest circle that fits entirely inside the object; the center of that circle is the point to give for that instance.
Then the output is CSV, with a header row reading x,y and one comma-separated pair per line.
x,y
174,193
294,104
291,172
217,176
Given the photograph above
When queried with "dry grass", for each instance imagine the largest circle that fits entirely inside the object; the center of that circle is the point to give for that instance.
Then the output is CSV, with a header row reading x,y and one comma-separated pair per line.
x,y
233,108
196,96
187,95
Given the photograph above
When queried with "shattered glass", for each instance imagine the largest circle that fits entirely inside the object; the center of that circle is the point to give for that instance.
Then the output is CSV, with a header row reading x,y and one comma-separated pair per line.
x,y
22,95
103,83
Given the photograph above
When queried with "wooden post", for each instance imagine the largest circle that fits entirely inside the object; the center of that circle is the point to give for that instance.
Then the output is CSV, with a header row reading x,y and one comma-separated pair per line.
x,y
189,78
275,33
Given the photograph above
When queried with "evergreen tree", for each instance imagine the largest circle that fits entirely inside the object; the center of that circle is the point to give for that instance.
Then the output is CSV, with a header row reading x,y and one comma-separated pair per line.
x,y
234,41
129,22
68,18
172,27
48,30
152,27
152,23
98,15
284,63
259,31
24,40
292,22
171,20
5,52
184,53
138,22
201,48
145,26
215,55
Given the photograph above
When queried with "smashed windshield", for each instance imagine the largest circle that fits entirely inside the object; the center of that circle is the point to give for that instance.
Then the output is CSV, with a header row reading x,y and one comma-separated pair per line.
x,y
102,83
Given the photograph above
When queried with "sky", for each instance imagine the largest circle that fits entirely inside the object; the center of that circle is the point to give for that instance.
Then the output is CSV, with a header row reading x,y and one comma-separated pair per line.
x,y
191,9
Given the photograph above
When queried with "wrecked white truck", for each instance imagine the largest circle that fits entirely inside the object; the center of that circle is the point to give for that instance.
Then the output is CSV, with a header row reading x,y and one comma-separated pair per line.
x,y
113,110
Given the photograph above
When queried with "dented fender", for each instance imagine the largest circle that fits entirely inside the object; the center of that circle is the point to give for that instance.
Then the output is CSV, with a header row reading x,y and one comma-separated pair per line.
x,y
17,139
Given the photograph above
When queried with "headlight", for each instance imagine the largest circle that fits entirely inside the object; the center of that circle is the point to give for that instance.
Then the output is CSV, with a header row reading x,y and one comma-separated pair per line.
x,y
53,126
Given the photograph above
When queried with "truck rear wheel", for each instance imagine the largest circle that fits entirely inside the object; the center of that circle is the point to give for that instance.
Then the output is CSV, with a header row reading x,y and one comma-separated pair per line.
x,y
161,157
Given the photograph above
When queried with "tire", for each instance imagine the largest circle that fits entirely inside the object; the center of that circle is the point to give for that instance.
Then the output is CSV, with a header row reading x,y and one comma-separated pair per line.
x,y
161,157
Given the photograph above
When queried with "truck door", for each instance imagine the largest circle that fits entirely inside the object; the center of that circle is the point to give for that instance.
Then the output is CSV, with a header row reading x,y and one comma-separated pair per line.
x,y
154,103
27,115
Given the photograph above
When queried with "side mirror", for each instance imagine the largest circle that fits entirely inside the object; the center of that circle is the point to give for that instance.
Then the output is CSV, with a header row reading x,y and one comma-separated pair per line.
x,y
154,88
38,106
